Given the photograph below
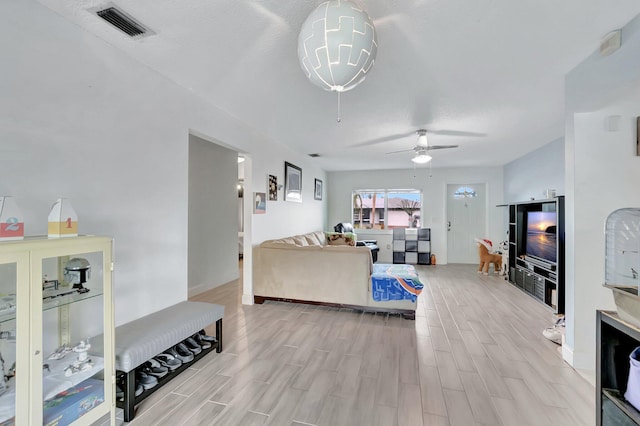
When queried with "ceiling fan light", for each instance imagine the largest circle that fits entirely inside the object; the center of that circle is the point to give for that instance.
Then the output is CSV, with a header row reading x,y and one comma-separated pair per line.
x,y
421,158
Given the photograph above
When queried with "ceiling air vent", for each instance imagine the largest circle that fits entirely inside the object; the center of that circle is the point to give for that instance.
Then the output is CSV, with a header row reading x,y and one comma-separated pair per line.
x,y
124,22
314,155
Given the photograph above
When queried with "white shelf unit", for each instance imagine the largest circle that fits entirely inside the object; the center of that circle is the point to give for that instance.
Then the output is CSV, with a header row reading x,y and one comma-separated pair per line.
x,y
412,246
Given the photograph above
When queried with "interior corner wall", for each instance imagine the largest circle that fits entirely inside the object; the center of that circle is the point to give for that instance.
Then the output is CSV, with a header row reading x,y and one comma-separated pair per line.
x,y
433,184
213,215
82,120
531,175
603,172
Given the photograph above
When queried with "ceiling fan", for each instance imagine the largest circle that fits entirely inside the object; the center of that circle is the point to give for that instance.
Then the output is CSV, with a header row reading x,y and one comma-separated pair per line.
x,y
422,148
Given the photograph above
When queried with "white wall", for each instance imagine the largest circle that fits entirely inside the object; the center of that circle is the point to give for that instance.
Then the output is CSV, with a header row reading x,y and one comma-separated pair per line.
x,y
80,119
530,175
603,172
213,215
294,218
342,184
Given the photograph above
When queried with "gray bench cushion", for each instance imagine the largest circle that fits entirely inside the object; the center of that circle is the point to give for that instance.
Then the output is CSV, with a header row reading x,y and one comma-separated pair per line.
x,y
143,338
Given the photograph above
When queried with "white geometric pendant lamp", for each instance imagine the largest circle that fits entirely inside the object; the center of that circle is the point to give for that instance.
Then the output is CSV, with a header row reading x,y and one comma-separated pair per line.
x,y
337,46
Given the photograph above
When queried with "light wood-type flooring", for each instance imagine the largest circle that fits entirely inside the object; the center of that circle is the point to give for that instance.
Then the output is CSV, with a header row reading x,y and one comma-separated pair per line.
x,y
474,355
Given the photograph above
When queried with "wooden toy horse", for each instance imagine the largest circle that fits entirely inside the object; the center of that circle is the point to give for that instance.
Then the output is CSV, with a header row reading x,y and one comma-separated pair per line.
x,y
487,258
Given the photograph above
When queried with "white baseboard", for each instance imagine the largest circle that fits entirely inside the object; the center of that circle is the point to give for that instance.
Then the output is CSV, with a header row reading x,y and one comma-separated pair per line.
x,y
247,299
567,354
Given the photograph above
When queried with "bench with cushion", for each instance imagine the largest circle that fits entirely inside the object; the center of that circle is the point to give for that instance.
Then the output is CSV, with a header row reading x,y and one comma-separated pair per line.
x,y
140,340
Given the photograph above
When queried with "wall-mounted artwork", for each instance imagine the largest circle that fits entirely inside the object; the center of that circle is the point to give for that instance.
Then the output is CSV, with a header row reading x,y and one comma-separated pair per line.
x,y
273,188
292,183
259,203
317,192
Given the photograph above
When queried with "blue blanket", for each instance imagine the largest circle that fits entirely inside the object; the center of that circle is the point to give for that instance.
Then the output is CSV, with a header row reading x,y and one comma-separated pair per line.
x,y
395,282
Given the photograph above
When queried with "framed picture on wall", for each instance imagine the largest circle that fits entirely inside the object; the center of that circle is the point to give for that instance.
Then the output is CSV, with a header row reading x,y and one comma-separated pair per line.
x,y
259,203
317,192
292,182
273,188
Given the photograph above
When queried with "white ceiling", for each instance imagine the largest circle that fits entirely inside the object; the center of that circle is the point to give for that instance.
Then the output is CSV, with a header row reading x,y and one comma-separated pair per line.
x,y
491,71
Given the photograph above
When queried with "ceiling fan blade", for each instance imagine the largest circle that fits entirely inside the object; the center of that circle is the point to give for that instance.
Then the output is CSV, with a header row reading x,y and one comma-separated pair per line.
x,y
382,140
402,150
457,133
432,147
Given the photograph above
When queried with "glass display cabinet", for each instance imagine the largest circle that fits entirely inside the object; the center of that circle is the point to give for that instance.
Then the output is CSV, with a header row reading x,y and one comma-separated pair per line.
x,y
55,295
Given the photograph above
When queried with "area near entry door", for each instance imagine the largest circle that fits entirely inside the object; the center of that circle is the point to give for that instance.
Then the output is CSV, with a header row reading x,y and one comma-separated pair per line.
x,y
466,220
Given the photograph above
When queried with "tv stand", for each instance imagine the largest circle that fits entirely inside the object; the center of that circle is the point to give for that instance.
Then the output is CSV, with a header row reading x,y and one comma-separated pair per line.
x,y
540,278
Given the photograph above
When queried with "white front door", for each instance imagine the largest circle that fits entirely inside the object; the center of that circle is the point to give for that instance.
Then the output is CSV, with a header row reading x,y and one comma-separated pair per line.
x,y
466,220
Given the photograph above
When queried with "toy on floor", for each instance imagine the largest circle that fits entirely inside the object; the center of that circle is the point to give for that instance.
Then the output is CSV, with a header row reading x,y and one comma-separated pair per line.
x,y
504,250
486,257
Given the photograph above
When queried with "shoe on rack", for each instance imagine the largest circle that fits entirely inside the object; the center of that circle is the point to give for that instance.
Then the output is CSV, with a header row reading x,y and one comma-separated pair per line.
x,y
146,380
204,344
181,352
206,338
120,386
169,361
154,368
119,393
192,345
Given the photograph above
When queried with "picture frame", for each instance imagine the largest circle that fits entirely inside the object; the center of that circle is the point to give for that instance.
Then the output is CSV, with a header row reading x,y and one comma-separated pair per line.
x,y
317,192
259,203
273,188
292,182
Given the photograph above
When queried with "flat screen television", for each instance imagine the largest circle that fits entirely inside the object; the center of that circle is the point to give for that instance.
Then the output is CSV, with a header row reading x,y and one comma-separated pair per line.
x,y
541,236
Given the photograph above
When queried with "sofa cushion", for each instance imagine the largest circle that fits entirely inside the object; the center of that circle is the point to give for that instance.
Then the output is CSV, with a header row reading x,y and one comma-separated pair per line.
x,y
322,239
300,240
312,239
341,239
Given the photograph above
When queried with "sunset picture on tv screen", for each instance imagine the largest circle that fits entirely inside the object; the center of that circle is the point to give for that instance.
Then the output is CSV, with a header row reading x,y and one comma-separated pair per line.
x,y
541,235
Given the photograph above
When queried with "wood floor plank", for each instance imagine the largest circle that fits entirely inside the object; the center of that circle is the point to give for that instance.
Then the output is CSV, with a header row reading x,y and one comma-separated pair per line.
x,y
206,414
385,416
479,398
286,403
281,382
533,412
458,408
409,405
448,371
348,379
310,406
155,417
492,380
433,420
307,375
388,380
431,390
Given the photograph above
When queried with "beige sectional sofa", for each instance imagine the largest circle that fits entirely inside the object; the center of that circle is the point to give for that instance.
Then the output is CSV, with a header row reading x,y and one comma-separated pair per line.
x,y
304,268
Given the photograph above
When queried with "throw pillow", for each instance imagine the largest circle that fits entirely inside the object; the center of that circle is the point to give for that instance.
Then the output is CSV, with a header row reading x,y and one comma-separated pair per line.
x,y
341,239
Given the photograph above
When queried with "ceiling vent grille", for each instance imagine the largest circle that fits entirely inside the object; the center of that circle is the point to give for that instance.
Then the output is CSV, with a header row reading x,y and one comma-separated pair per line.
x,y
123,22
